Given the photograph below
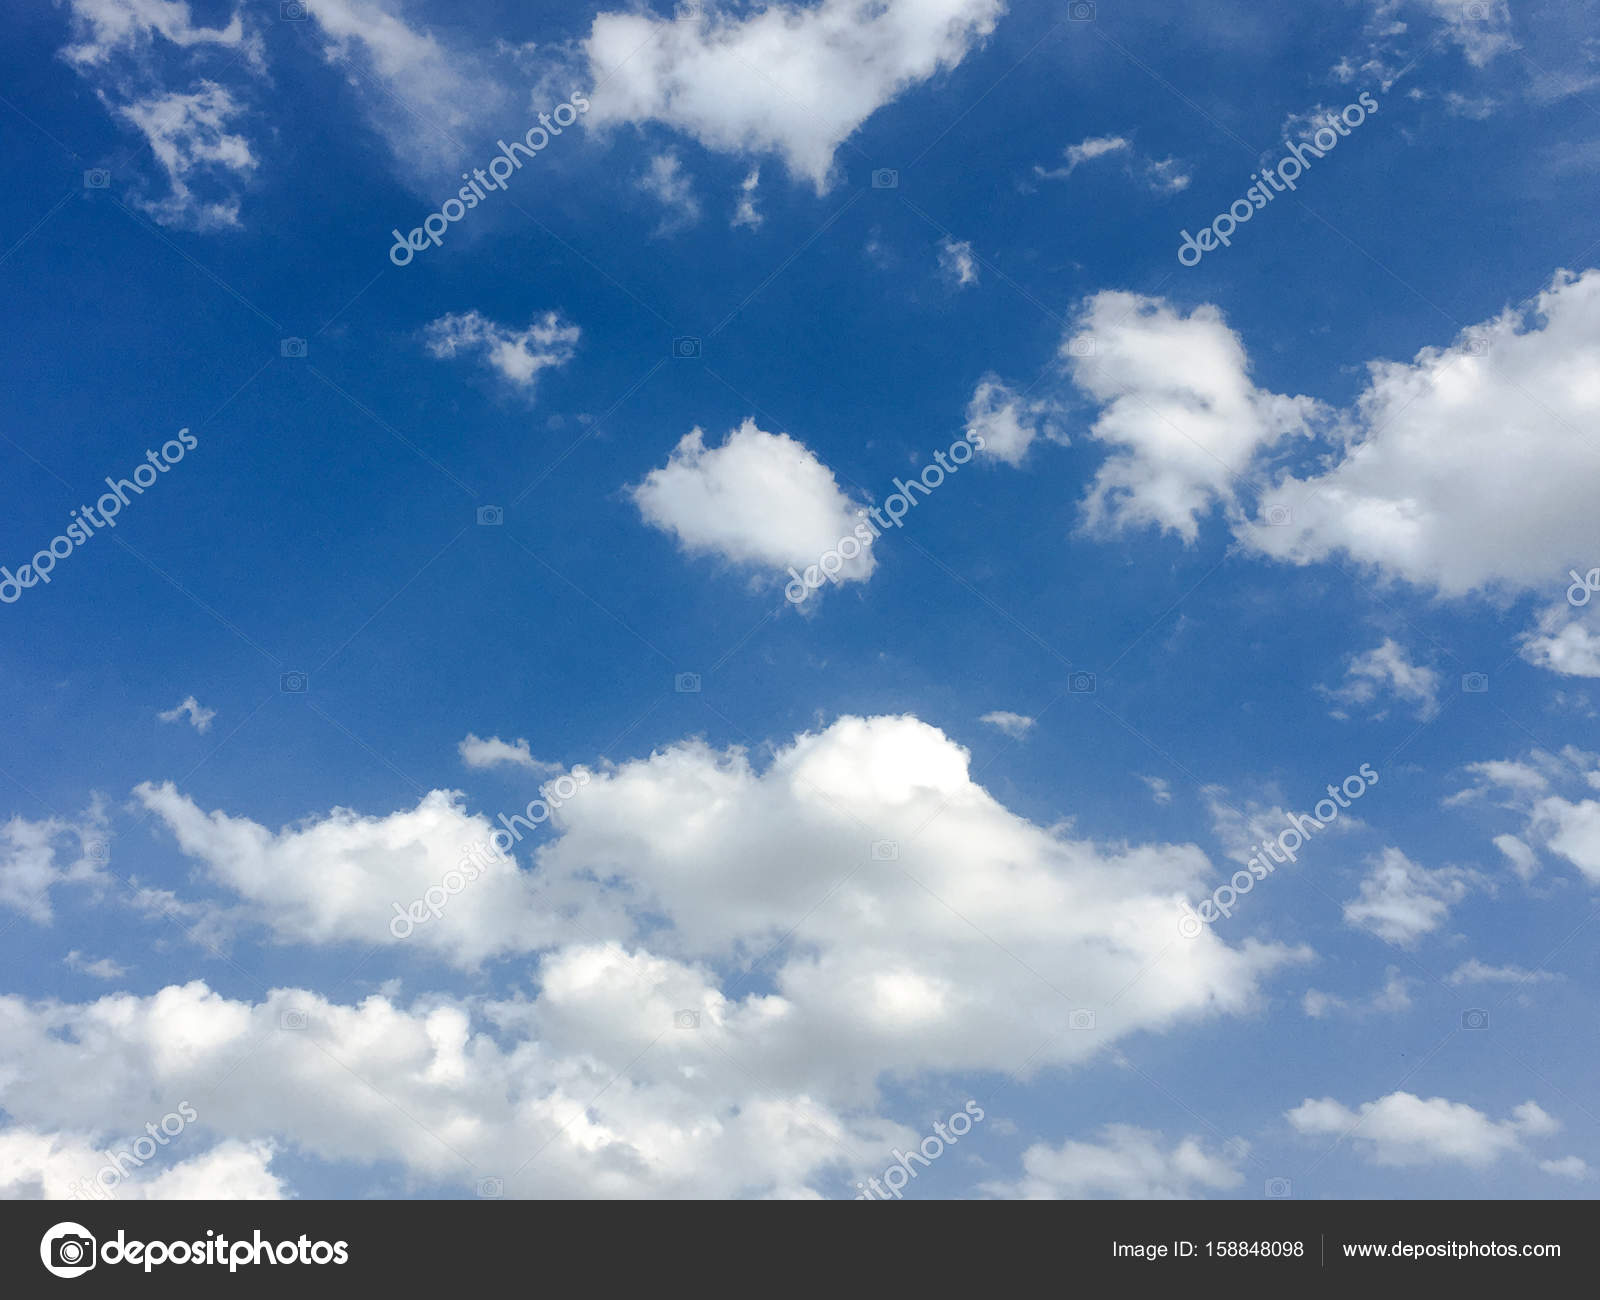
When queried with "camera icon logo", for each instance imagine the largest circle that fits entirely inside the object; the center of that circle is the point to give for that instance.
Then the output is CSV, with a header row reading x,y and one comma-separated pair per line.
x,y
294,683
1082,1018
97,178
1476,1018
1477,346
1475,683
686,348
1278,516
68,1250
1081,11
1082,346
292,1020
885,178
295,348
885,850
686,1019
686,683
1081,683
1280,1189
491,1189
97,851
689,11
491,516
292,11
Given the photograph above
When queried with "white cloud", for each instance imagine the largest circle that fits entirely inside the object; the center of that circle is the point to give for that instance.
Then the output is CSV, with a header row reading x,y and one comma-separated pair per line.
x,y
1177,406
1015,725
518,356
1565,641
1160,788
37,857
103,30
1474,971
102,968
1401,901
190,138
1387,669
1555,823
199,717
1402,1129
475,751
51,1166
1482,31
1492,427
786,79
1127,1163
420,94
964,953
956,262
1567,1167
664,180
747,214
132,52
1007,422
761,499
1163,175
337,879
1393,997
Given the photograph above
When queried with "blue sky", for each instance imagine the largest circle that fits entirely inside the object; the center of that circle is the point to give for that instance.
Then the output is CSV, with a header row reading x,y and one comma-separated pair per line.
x,y
1233,531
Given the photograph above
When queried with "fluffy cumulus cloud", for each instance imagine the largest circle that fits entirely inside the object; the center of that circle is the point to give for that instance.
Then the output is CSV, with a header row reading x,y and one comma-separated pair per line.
x,y
1126,1163
39,857
631,1069
517,356
1497,425
1400,901
1554,796
782,79
760,500
55,1166
1006,420
1178,409
1565,639
1387,670
475,751
338,879
1403,1129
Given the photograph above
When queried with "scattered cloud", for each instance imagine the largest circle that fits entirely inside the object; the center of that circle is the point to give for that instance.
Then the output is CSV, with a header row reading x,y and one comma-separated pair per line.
x,y
1015,725
517,356
199,718
1387,670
